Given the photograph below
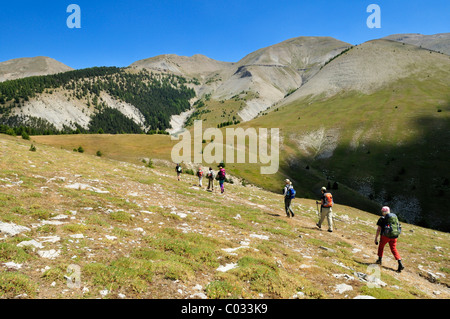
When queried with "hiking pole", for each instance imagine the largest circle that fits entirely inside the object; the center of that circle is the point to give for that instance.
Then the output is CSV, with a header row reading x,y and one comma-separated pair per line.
x,y
318,213
334,224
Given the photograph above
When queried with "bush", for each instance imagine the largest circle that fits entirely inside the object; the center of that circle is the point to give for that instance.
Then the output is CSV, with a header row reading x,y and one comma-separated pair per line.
x,y
32,148
80,149
25,135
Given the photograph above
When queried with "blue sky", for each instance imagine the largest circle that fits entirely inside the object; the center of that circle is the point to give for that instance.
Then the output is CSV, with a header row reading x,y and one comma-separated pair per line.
x,y
118,33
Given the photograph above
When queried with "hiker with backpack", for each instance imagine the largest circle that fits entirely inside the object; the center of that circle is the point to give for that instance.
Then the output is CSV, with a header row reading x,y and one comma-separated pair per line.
x,y
221,175
210,177
389,229
326,205
179,170
200,176
289,195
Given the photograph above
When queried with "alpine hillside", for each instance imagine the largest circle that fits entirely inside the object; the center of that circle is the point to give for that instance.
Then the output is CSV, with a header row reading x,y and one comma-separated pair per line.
x,y
76,225
370,119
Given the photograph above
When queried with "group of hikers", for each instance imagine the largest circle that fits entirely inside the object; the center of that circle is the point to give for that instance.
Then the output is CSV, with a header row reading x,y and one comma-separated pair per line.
x,y
210,175
388,229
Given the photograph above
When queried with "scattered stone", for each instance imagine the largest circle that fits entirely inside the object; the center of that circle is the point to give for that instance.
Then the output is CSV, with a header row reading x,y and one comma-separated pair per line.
x,y
50,239
32,243
60,216
12,229
78,236
341,288
79,186
263,237
364,297
12,265
226,267
298,295
327,249
344,276
199,295
198,287
49,254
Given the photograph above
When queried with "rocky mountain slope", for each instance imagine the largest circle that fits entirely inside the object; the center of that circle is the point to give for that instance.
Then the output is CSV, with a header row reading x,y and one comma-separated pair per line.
x,y
371,66
24,67
268,74
80,226
437,42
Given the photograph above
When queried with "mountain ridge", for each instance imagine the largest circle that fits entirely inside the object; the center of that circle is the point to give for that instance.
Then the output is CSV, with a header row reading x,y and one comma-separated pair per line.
x,y
25,67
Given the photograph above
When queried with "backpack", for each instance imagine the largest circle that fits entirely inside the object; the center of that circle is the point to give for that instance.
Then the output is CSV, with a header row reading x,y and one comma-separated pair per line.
x,y
200,173
291,192
393,227
179,169
328,200
210,175
221,174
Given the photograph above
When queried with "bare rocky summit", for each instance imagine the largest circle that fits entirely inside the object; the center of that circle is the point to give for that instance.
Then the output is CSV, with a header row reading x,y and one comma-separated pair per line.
x,y
25,67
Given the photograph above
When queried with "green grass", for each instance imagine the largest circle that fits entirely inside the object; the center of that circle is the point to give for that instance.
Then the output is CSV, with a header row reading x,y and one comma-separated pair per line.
x,y
155,253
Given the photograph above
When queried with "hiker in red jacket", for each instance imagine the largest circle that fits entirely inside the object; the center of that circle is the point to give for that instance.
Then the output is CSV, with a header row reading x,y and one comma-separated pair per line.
x,y
385,238
200,176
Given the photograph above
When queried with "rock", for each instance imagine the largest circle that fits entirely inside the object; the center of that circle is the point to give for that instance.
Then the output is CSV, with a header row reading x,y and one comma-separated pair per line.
x,y
298,295
32,243
341,288
264,237
78,236
364,297
104,293
50,239
79,186
12,265
344,276
12,229
50,254
328,249
226,267
198,287
199,295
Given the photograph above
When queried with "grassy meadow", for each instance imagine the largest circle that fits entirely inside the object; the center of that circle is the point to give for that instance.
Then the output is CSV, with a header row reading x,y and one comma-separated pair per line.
x,y
136,232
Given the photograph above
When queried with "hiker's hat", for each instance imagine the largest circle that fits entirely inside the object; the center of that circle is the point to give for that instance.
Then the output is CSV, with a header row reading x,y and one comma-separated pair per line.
x,y
287,181
323,188
385,209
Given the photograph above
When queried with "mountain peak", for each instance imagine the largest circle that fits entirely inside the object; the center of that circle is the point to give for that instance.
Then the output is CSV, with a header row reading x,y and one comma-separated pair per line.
x,y
25,67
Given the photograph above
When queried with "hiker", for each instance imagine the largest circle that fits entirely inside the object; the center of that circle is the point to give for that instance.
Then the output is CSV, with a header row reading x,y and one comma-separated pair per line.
x,y
179,170
325,209
210,177
389,229
289,194
200,176
221,177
